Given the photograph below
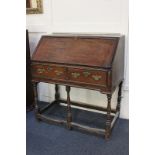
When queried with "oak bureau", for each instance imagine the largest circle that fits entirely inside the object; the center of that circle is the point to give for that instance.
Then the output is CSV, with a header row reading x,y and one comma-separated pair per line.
x,y
85,61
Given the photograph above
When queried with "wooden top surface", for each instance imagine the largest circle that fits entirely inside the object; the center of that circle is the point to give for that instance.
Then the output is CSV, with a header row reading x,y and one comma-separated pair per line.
x,y
90,51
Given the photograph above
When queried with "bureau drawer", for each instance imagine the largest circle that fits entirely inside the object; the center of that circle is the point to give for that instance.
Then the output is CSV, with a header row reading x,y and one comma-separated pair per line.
x,y
87,76
48,71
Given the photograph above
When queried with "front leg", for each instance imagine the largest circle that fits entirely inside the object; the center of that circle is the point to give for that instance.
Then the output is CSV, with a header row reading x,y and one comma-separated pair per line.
x,y
108,121
36,98
69,114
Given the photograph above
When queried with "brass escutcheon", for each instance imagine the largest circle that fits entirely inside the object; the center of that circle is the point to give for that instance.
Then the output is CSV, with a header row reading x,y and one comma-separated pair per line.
x,y
40,70
58,72
86,74
96,77
75,75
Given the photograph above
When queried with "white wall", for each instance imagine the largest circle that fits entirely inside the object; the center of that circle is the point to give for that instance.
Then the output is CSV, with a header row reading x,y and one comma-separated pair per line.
x,y
92,16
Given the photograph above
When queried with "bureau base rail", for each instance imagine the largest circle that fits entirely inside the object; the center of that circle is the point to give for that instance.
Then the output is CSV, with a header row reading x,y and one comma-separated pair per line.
x,y
83,128
91,130
84,105
50,120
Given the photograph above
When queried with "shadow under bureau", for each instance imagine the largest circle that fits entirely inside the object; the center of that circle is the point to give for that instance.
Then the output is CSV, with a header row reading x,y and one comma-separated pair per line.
x,y
84,61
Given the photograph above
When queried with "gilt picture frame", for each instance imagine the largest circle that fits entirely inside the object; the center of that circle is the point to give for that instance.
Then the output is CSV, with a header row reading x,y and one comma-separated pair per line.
x,y
34,6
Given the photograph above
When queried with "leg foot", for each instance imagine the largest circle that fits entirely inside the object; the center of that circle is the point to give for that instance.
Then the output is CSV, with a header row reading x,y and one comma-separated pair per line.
x,y
38,119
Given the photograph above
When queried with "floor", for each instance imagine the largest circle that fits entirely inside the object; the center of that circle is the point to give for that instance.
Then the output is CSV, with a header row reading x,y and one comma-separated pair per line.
x,y
46,139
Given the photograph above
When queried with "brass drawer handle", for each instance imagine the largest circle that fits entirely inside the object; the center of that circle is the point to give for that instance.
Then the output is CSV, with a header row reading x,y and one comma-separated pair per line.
x,y
58,72
96,77
86,74
75,75
41,70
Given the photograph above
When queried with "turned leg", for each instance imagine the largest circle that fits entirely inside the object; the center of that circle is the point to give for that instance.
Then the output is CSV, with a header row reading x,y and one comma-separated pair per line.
x,y
36,99
108,121
119,97
57,94
69,115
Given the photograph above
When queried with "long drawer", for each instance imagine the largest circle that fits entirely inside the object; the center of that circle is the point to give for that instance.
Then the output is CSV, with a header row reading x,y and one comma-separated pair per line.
x,y
69,74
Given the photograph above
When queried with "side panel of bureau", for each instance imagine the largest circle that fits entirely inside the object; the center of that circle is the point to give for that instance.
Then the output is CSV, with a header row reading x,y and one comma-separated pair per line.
x,y
118,64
